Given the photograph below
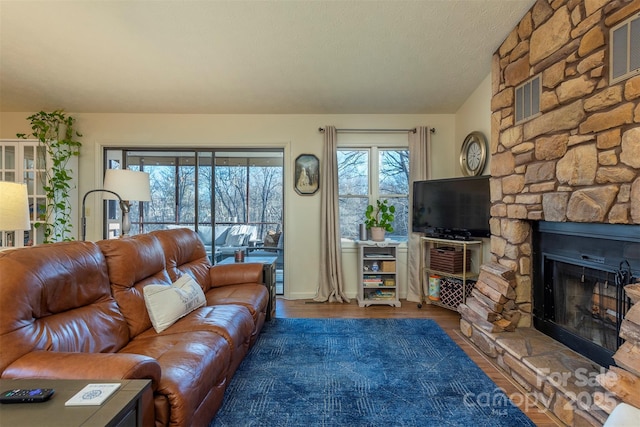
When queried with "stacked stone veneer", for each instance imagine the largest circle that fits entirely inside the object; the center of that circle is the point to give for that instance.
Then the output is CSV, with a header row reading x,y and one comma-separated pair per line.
x,y
577,161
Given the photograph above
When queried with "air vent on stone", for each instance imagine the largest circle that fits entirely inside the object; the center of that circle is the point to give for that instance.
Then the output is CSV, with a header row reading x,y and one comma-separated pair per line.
x,y
528,99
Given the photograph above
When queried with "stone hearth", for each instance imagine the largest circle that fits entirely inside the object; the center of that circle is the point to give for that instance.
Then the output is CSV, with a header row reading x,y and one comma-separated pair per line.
x,y
576,161
552,377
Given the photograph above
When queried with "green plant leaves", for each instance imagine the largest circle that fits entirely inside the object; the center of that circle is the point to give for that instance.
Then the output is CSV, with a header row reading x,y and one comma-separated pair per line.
x,y
382,215
56,134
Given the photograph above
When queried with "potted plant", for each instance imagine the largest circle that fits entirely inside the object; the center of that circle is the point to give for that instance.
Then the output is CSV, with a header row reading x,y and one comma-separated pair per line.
x,y
379,219
55,132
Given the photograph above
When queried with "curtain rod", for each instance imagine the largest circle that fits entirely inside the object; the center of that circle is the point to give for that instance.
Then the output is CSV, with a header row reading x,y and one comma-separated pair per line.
x,y
432,130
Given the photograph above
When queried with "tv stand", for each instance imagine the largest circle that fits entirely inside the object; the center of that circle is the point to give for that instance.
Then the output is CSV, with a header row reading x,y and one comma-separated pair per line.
x,y
448,270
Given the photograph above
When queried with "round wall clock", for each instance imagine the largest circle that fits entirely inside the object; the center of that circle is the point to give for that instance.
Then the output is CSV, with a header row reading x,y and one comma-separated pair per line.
x,y
473,155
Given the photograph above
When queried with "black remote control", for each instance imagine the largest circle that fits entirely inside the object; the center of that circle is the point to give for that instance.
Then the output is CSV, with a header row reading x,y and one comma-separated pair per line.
x,y
26,395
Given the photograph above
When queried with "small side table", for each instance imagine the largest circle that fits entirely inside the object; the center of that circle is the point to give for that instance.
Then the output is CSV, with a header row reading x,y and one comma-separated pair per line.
x,y
268,277
123,408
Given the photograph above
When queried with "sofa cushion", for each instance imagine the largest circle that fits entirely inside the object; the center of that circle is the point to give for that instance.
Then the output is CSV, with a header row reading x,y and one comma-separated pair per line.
x,y
56,297
240,235
166,304
232,322
221,234
194,374
206,234
253,296
623,415
135,262
234,239
271,239
185,254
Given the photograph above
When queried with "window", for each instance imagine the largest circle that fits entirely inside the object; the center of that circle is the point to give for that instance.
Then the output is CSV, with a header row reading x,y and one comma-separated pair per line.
x,y
368,174
625,49
528,99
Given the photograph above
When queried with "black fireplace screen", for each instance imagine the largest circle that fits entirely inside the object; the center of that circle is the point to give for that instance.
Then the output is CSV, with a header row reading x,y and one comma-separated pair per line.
x,y
586,302
580,271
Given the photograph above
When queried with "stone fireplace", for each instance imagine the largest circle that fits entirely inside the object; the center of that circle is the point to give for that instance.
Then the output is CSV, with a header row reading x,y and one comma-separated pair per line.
x,y
576,162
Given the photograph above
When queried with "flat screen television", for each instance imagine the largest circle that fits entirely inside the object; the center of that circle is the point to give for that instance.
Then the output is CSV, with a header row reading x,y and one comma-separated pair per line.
x,y
454,208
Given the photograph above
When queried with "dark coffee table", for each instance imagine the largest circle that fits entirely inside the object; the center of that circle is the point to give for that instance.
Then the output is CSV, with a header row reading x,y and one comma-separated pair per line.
x,y
123,407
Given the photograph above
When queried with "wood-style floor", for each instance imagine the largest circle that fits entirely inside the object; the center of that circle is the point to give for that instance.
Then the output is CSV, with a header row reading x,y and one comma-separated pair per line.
x,y
447,319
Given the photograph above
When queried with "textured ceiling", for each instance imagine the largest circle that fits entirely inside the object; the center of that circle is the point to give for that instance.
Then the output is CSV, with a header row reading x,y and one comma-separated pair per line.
x,y
239,57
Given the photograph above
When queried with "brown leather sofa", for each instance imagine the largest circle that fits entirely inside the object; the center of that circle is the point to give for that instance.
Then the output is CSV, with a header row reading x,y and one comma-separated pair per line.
x,y
76,310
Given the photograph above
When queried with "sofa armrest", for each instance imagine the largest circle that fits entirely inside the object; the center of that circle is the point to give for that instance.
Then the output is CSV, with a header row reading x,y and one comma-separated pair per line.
x,y
98,366
233,274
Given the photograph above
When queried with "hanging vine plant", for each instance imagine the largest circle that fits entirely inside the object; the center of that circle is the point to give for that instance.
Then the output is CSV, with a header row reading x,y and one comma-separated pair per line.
x,y
56,134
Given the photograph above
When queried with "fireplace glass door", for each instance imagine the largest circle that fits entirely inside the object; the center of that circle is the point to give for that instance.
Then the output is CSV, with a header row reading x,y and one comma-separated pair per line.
x,y
580,270
585,302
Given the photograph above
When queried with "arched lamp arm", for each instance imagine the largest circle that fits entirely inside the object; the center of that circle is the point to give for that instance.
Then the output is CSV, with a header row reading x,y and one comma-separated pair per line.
x,y
123,207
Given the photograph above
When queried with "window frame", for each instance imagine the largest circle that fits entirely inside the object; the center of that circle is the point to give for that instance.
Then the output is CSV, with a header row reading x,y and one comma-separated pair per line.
x,y
374,151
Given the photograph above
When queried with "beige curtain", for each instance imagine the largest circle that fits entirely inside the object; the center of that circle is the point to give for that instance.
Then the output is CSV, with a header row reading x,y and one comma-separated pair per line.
x,y
419,150
331,281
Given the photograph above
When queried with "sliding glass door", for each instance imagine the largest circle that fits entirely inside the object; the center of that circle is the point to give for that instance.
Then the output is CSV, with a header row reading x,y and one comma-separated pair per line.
x,y
248,189
173,187
233,199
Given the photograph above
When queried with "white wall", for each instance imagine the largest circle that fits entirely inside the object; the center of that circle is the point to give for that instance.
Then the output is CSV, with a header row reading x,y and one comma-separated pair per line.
x,y
474,115
296,134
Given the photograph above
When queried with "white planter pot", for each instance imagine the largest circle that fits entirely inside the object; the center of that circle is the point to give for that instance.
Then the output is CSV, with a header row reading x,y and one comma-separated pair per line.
x,y
377,234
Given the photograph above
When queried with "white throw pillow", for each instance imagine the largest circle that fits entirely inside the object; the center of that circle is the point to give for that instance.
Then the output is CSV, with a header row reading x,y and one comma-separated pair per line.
x,y
166,304
234,240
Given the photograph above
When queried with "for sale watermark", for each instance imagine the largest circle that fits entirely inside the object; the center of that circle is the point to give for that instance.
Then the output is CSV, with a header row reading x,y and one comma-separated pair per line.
x,y
498,400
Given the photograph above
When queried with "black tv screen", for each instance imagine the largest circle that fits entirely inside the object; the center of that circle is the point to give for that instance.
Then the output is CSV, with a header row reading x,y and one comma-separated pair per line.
x,y
452,208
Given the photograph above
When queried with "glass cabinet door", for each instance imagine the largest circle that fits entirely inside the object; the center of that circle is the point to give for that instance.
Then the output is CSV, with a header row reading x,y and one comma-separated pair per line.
x,y
24,161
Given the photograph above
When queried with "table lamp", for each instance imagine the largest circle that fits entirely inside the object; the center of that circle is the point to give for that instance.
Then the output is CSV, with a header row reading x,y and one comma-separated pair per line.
x,y
14,207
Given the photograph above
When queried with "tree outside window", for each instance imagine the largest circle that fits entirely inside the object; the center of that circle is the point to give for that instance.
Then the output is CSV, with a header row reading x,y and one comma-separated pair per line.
x,y
368,174
240,187
249,190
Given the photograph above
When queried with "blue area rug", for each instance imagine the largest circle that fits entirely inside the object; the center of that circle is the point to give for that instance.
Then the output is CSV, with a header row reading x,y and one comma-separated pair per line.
x,y
362,372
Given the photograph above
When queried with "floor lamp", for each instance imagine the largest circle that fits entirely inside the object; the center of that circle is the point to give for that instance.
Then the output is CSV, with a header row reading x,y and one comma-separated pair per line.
x,y
129,185
14,208
84,217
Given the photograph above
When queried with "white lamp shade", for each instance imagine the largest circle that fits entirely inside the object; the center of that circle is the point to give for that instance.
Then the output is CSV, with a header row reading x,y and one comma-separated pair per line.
x,y
128,184
14,206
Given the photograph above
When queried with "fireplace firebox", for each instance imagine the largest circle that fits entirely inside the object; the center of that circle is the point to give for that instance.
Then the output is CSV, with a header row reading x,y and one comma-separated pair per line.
x,y
579,274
